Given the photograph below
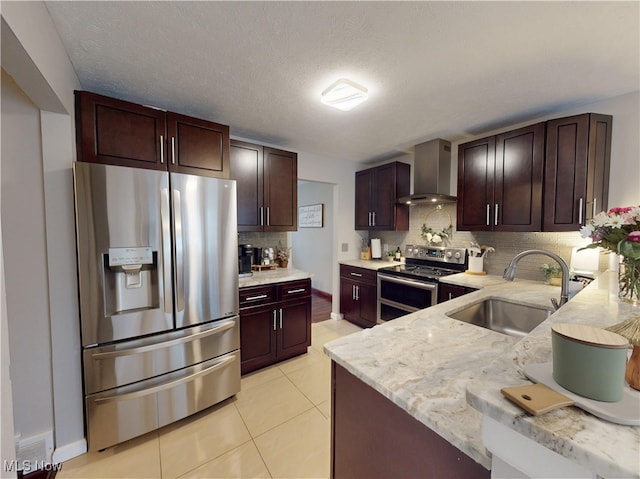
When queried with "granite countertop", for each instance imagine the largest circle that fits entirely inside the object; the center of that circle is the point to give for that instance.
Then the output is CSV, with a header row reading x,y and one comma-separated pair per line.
x,y
468,280
278,275
431,365
374,264
608,449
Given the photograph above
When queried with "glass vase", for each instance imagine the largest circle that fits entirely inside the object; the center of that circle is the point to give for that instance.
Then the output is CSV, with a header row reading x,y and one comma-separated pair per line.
x,y
629,280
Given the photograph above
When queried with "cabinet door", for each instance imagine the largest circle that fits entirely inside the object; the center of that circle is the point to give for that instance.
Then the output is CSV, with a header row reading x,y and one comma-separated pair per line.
x,y
384,197
565,185
368,299
475,185
450,291
280,190
294,332
246,167
364,181
518,179
258,337
349,308
598,163
117,132
197,147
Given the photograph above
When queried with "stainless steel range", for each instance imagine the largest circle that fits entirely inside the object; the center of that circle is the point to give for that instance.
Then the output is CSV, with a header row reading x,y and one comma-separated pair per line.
x,y
413,286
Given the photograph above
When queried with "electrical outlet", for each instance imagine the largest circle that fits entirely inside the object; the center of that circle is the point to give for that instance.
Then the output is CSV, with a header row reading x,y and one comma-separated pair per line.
x,y
385,248
345,247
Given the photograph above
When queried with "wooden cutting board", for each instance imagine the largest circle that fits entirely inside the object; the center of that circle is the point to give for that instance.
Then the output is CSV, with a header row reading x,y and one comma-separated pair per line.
x,y
536,399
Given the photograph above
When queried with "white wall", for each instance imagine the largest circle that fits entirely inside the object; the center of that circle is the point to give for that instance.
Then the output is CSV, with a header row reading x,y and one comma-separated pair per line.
x,y
25,262
33,55
313,247
341,173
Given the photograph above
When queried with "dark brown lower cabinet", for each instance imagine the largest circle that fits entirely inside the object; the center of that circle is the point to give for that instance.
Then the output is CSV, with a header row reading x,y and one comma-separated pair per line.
x,y
275,323
373,438
359,295
450,291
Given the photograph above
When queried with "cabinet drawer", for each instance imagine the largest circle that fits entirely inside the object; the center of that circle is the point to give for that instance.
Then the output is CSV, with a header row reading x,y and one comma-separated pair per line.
x,y
256,295
294,289
358,274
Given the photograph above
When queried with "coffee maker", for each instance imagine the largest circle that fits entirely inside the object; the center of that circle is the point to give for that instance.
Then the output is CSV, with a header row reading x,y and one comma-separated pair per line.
x,y
245,259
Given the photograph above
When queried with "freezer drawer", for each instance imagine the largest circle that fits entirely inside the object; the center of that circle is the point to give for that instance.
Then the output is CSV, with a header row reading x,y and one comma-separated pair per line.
x,y
124,413
120,364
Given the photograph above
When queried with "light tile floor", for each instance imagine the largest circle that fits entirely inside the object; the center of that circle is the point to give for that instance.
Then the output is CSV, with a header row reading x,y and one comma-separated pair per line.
x,y
276,427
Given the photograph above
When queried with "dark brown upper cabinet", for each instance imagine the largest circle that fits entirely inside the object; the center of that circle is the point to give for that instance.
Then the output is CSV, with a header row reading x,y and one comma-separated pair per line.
x,y
576,185
117,132
377,190
267,183
500,181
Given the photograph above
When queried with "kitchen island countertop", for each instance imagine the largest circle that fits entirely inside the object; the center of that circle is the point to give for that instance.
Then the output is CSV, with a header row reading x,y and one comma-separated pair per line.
x,y
279,275
431,365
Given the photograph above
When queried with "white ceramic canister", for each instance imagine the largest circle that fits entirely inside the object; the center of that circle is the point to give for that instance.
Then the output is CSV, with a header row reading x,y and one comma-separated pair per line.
x,y
476,264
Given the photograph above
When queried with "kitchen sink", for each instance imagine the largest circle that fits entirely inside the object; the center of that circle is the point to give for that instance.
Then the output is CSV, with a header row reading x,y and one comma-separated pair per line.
x,y
506,317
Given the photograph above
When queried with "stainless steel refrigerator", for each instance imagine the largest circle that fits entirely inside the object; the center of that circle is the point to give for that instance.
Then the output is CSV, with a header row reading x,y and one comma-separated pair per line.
x,y
158,290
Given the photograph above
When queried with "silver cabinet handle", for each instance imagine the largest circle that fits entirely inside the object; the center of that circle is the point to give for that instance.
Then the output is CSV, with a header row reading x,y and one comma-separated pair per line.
x,y
274,319
173,150
359,275
495,216
373,223
161,149
488,213
450,296
370,220
580,204
165,216
179,270
254,298
280,318
217,329
357,293
595,208
301,290
168,385
353,292
268,216
261,216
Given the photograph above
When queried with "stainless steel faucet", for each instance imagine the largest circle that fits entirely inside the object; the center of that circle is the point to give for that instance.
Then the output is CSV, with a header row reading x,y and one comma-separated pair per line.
x,y
510,273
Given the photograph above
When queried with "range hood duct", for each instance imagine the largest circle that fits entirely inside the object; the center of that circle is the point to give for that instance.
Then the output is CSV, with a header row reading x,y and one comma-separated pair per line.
x,y
431,174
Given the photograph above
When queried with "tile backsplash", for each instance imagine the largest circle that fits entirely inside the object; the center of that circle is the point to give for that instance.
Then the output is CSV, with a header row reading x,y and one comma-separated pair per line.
x,y
507,245
263,240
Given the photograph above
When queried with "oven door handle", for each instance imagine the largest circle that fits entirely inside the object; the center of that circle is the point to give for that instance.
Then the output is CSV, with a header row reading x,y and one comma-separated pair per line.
x,y
408,282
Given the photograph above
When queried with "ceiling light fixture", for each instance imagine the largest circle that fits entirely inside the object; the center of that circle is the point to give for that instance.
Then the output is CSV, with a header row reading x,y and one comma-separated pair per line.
x,y
344,94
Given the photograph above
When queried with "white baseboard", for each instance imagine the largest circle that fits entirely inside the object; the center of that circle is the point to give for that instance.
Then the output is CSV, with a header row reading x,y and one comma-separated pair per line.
x,y
336,316
69,451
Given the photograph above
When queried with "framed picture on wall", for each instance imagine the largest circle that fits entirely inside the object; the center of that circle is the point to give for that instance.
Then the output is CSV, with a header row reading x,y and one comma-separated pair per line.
x,y
311,216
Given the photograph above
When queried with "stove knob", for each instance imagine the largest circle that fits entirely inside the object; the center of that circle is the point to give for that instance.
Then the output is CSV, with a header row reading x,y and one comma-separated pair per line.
x,y
457,255
449,254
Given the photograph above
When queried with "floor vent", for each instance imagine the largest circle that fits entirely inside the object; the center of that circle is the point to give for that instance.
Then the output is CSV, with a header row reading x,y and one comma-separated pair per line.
x,y
35,452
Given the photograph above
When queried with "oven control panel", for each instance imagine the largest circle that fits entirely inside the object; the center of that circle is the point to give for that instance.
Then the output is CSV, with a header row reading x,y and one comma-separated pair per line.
x,y
436,253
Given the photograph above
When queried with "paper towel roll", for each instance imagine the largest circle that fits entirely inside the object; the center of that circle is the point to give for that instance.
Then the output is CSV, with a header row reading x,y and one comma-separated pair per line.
x,y
376,249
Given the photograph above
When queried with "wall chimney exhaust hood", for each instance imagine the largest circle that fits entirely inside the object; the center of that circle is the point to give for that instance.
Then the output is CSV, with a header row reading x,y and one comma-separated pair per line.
x,y
431,174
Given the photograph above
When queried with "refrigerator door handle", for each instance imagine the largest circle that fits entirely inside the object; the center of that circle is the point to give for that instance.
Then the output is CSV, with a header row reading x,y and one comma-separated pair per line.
x,y
179,264
165,217
220,328
167,385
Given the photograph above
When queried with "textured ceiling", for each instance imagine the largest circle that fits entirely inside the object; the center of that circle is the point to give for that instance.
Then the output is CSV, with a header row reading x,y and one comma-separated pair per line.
x,y
433,69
